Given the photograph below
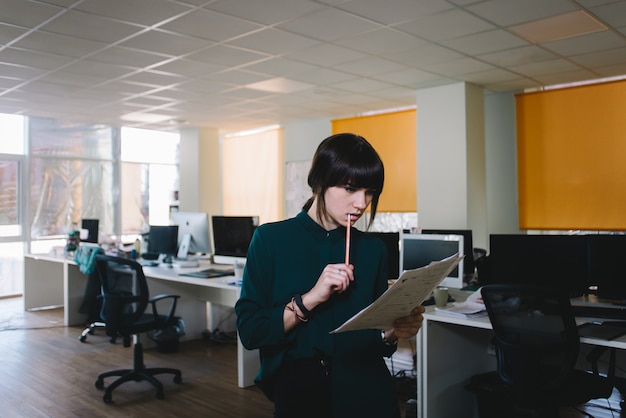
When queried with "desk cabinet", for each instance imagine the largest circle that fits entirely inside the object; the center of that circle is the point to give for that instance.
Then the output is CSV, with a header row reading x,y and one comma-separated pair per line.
x,y
451,350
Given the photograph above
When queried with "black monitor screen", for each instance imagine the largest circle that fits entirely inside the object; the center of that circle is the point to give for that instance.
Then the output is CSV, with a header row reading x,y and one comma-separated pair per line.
x,y
606,266
468,246
392,241
163,239
232,234
91,225
420,252
549,260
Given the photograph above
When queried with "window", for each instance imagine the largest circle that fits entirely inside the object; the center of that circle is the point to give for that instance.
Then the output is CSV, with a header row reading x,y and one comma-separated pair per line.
x,y
11,193
150,172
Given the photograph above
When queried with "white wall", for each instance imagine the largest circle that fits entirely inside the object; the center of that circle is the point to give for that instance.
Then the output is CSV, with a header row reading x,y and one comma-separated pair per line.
x,y
300,140
450,158
501,163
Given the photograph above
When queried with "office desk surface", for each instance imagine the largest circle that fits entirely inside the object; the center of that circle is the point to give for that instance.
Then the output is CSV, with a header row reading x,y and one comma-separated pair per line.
x,y
57,281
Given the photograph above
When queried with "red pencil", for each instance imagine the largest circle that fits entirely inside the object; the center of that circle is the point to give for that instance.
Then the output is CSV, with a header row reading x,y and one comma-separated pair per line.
x,y
348,241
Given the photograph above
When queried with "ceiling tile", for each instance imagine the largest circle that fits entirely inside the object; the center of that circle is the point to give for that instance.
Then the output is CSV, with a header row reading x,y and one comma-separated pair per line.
x,y
128,57
508,12
446,25
226,56
267,12
481,43
209,25
517,56
280,67
274,41
328,25
370,66
424,55
33,59
145,12
325,54
586,43
394,11
601,58
9,33
52,43
544,67
383,41
90,27
27,13
323,76
188,68
166,43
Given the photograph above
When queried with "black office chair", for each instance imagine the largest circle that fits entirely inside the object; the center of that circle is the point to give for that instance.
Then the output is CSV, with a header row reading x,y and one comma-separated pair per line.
x,y
125,299
537,347
85,259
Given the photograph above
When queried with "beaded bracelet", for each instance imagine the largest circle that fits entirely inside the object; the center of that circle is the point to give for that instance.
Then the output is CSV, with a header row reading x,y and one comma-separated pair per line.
x,y
293,309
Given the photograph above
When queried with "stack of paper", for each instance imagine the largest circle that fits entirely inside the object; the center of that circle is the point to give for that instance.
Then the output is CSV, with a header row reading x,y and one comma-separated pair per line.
x,y
472,307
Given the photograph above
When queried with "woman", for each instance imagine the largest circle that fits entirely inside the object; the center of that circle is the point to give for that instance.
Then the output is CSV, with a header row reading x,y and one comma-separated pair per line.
x,y
298,285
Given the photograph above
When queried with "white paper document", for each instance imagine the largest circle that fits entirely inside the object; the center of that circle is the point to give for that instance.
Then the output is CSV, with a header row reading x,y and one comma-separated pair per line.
x,y
411,289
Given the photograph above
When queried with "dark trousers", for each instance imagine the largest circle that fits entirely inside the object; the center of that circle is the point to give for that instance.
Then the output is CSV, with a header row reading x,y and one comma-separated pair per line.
x,y
302,389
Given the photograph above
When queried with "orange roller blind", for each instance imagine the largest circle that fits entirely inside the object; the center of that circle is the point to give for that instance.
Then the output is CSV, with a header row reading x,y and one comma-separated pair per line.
x,y
572,158
393,135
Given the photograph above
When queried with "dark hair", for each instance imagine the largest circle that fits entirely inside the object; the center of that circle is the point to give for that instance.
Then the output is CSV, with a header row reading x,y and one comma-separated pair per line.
x,y
343,159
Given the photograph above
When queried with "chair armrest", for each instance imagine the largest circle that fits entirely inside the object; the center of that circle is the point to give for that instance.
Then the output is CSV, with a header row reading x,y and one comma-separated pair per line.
x,y
153,301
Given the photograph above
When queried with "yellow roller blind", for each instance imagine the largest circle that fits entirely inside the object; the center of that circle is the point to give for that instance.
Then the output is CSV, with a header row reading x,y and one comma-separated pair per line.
x,y
572,158
393,135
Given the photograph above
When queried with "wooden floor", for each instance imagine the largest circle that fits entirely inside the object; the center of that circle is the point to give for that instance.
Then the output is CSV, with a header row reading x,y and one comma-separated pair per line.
x,y
45,371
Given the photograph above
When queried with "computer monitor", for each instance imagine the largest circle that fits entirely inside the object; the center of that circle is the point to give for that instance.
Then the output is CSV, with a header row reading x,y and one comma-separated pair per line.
x,y
606,266
163,239
193,233
419,250
546,260
468,246
91,225
392,242
231,237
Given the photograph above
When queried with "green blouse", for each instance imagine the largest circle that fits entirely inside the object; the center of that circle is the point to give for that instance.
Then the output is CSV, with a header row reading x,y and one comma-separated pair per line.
x,y
286,258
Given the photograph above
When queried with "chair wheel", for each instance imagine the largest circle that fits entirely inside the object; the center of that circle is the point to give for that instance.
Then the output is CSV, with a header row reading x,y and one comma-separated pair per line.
x,y
107,398
82,338
178,379
160,394
100,384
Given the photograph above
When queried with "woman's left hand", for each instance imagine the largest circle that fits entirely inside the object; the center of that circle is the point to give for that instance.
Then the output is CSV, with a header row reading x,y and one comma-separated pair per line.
x,y
407,326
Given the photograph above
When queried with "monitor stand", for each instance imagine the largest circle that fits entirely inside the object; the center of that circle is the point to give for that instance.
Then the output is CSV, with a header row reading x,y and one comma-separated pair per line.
x,y
181,258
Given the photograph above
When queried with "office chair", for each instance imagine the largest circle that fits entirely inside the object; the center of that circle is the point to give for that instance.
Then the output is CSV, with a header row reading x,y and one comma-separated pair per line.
x,y
125,299
85,259
537,347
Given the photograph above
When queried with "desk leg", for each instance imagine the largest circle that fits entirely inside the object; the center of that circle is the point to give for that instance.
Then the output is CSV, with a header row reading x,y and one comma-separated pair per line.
x,y
450,355
247,365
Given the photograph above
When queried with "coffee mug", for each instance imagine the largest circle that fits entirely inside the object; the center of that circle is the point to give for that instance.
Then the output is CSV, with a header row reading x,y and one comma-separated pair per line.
x,y
441,297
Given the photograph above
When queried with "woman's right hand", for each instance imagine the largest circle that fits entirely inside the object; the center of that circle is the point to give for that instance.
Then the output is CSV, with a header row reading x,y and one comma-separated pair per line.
x,y
335,278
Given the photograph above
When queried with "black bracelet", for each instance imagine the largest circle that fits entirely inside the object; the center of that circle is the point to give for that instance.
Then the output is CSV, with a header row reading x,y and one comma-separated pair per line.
x,y
305,311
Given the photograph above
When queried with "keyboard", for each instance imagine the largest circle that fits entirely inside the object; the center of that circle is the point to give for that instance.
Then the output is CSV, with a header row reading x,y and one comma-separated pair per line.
x,y
594,311
210,273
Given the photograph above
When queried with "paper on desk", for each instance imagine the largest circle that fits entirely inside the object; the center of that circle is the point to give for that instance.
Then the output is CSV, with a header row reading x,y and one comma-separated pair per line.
x,y
411,289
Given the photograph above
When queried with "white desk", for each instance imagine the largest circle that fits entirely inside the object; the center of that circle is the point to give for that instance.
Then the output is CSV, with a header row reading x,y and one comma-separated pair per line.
x,y
57,281
450,351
